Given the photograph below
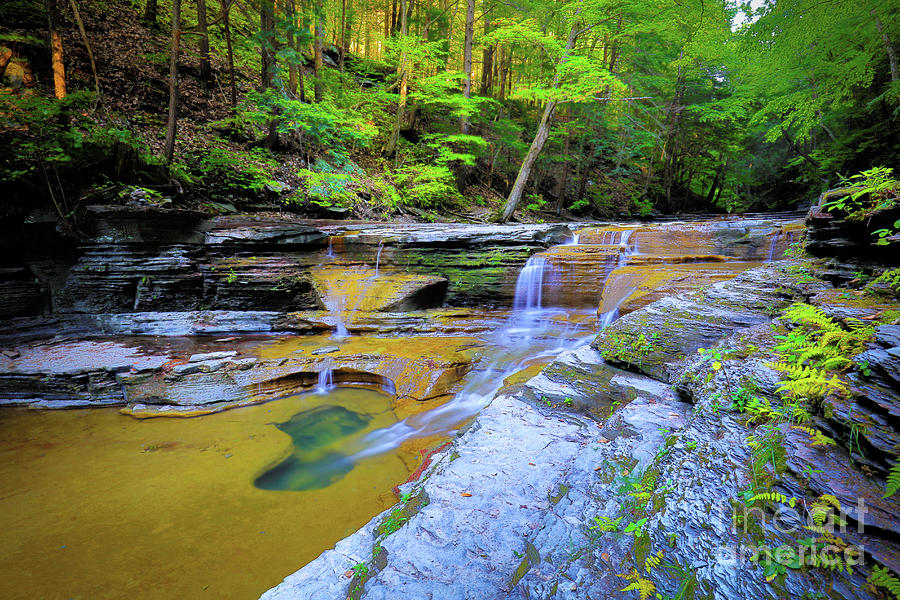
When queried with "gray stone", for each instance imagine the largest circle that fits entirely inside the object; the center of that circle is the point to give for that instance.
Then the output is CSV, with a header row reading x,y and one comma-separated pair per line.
x,y
326,350
212,356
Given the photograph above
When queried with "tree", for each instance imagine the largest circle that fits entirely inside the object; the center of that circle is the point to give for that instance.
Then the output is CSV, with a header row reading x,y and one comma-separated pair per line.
x,y
56,50
203,32
467,60
172,122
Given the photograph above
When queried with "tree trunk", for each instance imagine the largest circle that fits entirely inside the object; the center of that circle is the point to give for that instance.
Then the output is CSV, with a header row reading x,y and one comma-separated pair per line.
x,y
226,8
318,42
171,125
342,48
56,50
543,132
150,13
203,30
487,61
87,47
563,177
290,9
388,15
889,48
394,19
267,43
391,148
501,73
467,60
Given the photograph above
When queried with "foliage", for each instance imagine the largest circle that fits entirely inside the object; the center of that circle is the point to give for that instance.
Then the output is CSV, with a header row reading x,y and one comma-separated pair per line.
x,y
893,480
883,578
871,190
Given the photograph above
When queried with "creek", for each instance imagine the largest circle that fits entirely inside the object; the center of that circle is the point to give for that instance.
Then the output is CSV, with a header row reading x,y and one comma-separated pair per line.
x,y
300,433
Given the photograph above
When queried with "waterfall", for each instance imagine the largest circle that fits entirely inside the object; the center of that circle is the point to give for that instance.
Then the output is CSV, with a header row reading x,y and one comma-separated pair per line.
x,y
529,283
330,247
326,380
378,256
772,246
628,248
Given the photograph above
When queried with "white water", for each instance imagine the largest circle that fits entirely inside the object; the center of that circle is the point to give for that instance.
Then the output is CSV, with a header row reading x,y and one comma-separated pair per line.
x,y
532,333
330,247
326,380
772,245
628,249
529,284
378,256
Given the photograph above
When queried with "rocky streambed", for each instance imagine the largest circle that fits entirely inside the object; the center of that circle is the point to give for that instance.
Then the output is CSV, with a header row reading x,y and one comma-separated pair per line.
x,y
157,314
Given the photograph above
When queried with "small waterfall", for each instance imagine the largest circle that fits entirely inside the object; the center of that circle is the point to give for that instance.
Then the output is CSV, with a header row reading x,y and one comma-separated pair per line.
x,y
330,247
340,328
529,284
772,245
378,256
629,249
326,380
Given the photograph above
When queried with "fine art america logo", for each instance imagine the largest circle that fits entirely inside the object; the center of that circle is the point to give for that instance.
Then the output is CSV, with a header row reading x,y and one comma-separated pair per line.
x,y
810,535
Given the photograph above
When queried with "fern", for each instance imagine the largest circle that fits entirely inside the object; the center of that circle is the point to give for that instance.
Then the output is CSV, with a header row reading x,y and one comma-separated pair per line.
x,y
808,382
816,437
653,562
893,480
881,577
642,586
774,497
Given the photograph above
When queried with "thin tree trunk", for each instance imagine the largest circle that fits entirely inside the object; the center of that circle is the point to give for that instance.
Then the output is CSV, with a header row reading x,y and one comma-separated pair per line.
x,y
318,42
56,50
267,50
226,9
150,13
394,17
203,30
388,15
501,73
540,137
290,9
342,48
889,48
172,124
391,147
467,60
563,176
487,60
87,46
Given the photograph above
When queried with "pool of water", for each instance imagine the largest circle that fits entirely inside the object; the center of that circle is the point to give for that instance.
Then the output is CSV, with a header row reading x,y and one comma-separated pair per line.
x,y
96,504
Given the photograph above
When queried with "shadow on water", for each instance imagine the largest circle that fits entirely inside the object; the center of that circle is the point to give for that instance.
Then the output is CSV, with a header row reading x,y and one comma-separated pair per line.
x,y
316,462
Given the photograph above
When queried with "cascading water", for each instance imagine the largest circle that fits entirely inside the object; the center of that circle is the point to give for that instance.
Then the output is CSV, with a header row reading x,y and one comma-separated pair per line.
x,y
326,380
772,246
529,284
627,249
330,247
378,257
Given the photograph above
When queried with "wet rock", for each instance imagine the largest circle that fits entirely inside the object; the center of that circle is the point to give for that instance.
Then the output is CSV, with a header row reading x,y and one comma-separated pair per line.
x,y
325,350
557,234
830,234
211,356
663,333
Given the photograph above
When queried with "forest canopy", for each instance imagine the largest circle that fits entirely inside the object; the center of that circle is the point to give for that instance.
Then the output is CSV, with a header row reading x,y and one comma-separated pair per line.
x,y
606,108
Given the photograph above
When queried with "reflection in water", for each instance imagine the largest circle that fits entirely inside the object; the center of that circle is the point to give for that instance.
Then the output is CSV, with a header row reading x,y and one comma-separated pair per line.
x,y
313,465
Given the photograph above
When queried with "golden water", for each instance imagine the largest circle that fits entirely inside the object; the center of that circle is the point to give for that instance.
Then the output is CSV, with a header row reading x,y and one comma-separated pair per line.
x,y
96,504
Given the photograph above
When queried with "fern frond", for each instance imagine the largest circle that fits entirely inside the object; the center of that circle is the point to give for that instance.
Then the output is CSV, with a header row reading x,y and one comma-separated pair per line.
x,y
816,437
774,497
653,561
893,480
881,577
810,315
642,586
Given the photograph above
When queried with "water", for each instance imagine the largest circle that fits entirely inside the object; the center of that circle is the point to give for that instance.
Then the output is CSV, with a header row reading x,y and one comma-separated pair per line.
x,y
378,257
330,247
326,380
314,463
529,284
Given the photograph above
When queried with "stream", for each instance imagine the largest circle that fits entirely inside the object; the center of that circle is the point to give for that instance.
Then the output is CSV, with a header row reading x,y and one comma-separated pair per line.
x,y
321,425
